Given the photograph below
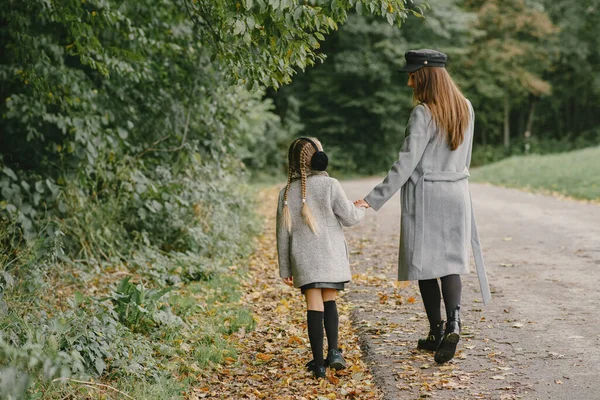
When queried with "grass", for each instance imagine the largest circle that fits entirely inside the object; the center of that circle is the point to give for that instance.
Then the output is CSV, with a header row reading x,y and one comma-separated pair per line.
x,y
574,174
212,306
163,387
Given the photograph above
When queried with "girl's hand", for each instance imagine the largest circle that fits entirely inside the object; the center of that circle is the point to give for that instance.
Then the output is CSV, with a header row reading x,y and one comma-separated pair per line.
x,y
361,203
289,281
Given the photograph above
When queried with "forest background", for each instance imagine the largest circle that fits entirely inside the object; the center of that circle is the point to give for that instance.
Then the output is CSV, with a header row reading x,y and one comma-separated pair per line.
x,y
130,130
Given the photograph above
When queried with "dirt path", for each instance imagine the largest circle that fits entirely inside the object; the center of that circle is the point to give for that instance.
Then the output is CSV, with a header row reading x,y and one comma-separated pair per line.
x,y
540,337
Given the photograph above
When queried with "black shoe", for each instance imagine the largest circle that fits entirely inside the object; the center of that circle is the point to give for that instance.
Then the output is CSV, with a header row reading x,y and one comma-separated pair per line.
x,y
451,338
433,339
311,365
335,359
319,372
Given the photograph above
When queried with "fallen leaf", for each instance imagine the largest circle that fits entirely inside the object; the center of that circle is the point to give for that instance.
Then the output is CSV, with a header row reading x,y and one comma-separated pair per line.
x,y
264,357
498,377
383,298
334,380
295,340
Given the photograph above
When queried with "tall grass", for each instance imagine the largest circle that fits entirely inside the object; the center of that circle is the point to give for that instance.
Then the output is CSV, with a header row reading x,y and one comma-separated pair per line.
x,y
574,173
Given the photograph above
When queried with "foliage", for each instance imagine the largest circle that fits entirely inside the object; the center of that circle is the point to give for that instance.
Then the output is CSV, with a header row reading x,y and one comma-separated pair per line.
x,y
354,102
570,110
125,140
136,306
537,56
512,47
264,41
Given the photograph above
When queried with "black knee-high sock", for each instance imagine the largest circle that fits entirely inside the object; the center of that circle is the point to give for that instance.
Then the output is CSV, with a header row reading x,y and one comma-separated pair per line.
x,y
314,321
451,290
331,320
430,292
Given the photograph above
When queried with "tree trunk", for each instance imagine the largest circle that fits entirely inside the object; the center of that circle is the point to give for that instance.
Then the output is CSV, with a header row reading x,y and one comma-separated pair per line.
x,y
506,121
529,127
522,120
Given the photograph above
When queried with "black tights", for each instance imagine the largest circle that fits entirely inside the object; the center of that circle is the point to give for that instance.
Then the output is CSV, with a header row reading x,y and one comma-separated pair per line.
x,y
430,292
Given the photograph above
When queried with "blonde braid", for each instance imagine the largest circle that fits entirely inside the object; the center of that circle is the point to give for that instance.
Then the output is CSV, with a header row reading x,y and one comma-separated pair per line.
x,y
304,167
287,217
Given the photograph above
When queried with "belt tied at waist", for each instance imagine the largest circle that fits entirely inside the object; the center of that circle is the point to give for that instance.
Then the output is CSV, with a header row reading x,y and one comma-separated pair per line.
x,y
417,258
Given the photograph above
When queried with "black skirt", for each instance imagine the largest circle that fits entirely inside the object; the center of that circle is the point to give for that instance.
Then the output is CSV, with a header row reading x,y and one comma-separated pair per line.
x,y
323,285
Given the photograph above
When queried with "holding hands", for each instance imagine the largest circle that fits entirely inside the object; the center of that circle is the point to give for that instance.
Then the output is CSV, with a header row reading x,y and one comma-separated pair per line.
x,y
361,203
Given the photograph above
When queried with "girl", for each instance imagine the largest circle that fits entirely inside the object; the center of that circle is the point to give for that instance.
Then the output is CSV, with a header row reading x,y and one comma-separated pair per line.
x,y
312,251
437,223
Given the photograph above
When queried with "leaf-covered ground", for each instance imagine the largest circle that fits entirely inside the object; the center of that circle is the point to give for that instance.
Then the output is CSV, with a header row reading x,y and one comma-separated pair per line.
x,y
271,358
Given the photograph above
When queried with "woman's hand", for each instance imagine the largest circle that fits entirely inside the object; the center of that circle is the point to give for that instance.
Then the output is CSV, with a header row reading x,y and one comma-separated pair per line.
x,y
289,281
361,203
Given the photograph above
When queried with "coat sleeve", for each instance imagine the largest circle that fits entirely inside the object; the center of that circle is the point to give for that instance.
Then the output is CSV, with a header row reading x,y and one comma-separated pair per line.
x,y
344,209
419,130
283,242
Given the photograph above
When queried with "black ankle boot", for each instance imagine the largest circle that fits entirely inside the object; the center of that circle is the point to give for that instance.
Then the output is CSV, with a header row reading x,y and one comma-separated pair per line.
x,y
319,371
335,360
451,337
433,339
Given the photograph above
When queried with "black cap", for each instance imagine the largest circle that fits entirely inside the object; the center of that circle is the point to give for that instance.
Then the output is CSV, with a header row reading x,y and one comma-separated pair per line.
x,y
417,59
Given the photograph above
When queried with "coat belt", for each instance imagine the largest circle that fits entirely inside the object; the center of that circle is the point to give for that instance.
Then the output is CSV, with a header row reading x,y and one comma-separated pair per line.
x,y
417,259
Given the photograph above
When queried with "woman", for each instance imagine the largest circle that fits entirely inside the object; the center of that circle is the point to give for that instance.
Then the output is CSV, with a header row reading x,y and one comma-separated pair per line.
x,y
437,223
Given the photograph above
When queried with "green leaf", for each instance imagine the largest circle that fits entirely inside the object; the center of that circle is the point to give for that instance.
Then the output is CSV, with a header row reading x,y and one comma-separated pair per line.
x,y
390,19
122,133
79,298
10,173
239,27
359,8
39,186
298,13
100,365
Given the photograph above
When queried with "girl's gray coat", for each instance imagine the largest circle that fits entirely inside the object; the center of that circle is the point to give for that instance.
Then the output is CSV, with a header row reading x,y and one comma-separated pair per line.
x,y
320,257
437,223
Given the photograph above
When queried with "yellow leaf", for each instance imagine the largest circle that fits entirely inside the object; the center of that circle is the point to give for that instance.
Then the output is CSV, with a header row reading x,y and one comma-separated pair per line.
x,y
264,357
295,340
401,284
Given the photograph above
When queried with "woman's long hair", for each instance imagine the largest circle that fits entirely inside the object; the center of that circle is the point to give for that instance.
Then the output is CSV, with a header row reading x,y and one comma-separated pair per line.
x,y
449,108
299,159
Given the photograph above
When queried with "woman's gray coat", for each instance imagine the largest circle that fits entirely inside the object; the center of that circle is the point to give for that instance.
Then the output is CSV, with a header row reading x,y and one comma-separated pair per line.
x,y
437,224
320,257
